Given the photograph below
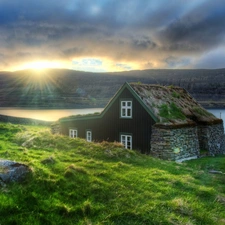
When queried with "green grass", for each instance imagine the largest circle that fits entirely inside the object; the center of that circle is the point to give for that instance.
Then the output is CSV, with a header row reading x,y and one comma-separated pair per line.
x,y
175,94
171,112
75,182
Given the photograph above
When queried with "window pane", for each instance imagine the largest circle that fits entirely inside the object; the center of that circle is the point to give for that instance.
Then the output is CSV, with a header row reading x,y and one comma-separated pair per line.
x,y
123,140
71,133
128,112
126,140
126,108
89,136
129,142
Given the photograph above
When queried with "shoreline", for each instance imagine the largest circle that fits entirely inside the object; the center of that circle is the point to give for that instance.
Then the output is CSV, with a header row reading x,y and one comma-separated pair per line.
x,y
24,121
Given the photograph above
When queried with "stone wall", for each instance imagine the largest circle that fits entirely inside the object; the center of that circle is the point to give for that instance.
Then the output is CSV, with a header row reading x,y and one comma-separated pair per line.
x,y
177,144
56,128
212,139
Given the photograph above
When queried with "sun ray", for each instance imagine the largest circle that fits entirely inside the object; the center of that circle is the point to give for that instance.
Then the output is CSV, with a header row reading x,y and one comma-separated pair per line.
x,y
38,91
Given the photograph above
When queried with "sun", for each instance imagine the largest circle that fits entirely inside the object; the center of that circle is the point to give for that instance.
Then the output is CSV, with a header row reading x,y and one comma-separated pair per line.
x,y
41,65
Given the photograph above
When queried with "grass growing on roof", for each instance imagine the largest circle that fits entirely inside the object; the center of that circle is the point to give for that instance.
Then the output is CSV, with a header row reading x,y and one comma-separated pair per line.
x,y
171,111
77,182
175,94
81,116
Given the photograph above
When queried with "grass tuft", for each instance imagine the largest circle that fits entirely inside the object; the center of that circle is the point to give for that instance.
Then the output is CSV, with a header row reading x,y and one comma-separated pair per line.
x,y
171,112
87,208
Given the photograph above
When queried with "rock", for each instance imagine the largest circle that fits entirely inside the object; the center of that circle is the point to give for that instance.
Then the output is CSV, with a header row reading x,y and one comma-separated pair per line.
x,y
215,171
11,171
49,160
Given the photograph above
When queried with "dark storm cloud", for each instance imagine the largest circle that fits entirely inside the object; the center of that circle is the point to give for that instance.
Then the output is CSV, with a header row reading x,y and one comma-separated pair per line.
x,y
211,60
144,43
156,33
200,29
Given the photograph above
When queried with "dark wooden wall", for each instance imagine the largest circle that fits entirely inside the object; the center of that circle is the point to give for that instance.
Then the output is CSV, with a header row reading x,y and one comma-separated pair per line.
x,y
110,126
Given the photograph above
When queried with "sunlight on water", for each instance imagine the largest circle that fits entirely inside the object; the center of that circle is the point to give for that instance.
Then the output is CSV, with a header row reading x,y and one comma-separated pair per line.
x,y
46,114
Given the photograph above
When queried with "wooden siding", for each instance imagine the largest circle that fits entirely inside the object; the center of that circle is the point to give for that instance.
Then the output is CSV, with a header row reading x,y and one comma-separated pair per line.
x,y
111,125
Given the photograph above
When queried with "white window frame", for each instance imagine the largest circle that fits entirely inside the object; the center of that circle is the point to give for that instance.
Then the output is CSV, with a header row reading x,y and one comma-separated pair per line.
x,y
73,133
126,109
89,135
126,140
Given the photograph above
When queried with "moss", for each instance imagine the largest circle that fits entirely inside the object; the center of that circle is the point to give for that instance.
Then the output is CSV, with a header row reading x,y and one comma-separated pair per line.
x,y
164,111
171,111
175,94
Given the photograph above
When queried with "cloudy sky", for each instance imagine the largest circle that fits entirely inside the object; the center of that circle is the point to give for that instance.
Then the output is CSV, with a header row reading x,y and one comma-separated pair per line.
x,y
112,35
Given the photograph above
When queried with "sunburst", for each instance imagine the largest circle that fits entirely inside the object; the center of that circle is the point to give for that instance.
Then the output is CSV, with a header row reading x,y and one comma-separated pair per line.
x,y
42,65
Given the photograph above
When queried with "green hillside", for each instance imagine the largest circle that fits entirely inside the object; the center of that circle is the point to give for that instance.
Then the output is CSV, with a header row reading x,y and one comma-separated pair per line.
x,y
75,182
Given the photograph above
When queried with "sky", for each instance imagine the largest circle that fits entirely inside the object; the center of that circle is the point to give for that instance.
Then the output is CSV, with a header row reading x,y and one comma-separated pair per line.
x,y
112,35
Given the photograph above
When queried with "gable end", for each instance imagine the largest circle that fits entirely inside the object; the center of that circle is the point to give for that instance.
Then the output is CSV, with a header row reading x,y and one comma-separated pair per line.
x,y
110,103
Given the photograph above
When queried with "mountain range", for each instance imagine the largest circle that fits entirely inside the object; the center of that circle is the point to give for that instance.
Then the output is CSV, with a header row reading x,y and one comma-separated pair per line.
x,y
60,88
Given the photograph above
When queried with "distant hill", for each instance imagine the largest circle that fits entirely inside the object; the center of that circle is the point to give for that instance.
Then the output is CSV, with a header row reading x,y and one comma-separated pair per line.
x,y
59,88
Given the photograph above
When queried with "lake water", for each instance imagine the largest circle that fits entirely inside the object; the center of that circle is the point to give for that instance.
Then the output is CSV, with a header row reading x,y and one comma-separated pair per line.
x,y
45,114
55,114
219,113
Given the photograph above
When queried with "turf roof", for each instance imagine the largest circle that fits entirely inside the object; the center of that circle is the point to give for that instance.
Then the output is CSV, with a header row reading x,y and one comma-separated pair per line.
x,y
173,105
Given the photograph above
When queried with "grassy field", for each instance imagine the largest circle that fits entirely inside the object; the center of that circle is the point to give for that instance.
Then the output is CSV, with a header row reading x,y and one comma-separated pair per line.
x,y
75,182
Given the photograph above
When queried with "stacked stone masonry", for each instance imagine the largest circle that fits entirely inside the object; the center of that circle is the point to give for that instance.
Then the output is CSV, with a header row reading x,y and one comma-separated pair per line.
x,y
211,139
175,144
56,128
184,143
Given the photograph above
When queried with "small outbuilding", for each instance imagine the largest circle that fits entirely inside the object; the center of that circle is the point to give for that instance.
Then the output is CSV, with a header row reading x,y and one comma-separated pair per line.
x,y
163,121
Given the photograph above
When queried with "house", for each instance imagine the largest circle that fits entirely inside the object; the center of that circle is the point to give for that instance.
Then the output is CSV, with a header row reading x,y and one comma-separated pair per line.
x,y
163,121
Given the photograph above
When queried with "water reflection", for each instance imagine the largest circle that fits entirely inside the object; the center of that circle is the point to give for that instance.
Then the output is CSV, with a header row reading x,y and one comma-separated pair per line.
x,y
55,114
45,114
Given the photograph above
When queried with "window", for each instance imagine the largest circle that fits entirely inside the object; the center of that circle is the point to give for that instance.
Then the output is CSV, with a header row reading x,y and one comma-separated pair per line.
x,y
126,109
126,140
73,133
89,136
